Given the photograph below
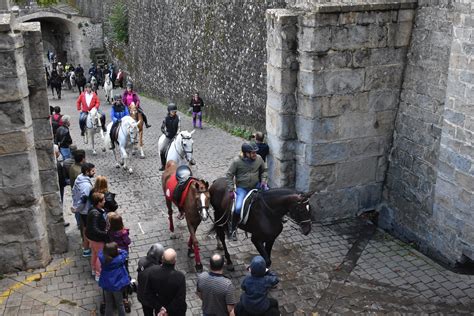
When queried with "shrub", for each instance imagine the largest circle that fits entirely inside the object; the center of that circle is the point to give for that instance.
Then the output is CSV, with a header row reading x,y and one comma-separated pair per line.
x,y
119,22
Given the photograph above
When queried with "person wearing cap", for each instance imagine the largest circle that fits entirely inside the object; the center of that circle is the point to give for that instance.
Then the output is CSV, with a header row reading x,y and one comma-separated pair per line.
x,y
118,111
62,138
256,286
153,258
86,101
247,171
129,96
92,71
170,128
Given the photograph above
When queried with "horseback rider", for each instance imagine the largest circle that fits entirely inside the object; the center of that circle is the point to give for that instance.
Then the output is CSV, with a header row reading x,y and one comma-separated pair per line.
x,y
169,127
79,70
86,101
118,111
130,96
92,71
248,171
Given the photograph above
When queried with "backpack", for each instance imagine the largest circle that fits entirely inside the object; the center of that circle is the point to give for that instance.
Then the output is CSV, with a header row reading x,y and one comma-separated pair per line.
x,y
56,122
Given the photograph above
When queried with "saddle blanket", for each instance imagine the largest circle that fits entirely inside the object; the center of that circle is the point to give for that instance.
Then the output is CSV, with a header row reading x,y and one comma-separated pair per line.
x,y
246,206
171,187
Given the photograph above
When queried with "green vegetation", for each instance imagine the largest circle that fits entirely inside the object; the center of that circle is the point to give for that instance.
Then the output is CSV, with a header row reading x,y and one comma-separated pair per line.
x,y
119,22
43,3
68,302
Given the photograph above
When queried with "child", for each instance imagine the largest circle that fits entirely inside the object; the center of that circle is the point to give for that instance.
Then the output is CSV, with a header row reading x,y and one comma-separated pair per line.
x,y
256,286
119,235
114,277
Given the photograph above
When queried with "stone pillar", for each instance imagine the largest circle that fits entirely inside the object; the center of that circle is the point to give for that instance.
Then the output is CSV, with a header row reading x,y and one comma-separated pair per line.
x,y
282,70
39,107
23,239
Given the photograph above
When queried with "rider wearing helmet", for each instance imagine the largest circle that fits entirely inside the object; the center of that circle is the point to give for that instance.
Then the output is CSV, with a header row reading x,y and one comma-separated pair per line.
x,y
118,111
170,128
92,71
129,96
247,171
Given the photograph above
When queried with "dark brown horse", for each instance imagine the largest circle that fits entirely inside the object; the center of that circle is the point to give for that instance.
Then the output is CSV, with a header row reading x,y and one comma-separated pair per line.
x,y
195,208
265,219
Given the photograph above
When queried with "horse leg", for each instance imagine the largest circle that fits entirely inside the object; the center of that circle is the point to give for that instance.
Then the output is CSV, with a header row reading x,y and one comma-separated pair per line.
x,y
170,218
142,154
58,91
268,249
221,235
261,250
193,244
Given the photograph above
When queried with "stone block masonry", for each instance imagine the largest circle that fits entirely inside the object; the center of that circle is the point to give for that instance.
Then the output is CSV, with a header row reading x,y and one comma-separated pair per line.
x,y
31,222
430,181
339,74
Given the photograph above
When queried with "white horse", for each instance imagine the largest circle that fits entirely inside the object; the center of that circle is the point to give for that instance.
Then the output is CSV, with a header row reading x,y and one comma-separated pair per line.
x,y
93,123
72,80
109,88
95,84
127,138
181,148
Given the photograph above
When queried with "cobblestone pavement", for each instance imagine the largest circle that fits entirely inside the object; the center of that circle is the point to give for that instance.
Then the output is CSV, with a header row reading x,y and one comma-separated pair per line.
x,y
339,268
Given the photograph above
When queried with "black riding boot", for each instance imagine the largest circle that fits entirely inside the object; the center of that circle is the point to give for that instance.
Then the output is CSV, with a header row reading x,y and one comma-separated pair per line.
x,y
145,120
163,160
233,227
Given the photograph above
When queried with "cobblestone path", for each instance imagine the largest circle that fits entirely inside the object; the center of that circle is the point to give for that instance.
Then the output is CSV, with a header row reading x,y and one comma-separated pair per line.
x,y
339,268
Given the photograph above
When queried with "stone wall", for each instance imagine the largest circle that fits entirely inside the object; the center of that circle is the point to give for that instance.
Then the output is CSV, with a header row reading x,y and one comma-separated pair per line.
x,y
215,47
24,241
334,82
429,182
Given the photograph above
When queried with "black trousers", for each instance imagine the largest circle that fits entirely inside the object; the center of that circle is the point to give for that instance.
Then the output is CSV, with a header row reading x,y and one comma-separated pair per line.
x,y
273,310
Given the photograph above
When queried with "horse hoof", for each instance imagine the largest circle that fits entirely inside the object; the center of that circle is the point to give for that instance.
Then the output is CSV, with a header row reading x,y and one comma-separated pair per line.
x,y
94,152
130,171
103,150
173,236
219,245
117,165
142,156
190,253
230,267
198,268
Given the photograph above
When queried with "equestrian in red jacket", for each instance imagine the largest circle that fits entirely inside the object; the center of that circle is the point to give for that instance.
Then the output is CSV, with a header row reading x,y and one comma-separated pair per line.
x,y
84,108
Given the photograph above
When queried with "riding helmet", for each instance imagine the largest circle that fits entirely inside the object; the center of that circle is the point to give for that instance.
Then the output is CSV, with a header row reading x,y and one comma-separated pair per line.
x,y
117,97
172,107
249,147
88,85
183,173
130,85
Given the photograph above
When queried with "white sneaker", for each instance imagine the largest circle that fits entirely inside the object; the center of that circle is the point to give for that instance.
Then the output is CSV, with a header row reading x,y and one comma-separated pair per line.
x,y
97,277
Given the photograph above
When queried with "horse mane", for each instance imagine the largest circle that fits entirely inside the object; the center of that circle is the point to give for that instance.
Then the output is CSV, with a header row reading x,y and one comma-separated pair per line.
x,y
273,194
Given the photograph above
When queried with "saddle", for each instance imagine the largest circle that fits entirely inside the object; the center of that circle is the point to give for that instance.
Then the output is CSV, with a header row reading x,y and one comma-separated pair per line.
x,y
246,206
176,192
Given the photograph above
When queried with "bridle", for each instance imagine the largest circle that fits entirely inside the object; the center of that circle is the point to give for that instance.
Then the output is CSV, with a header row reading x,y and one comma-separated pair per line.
x,y
202,209
185,152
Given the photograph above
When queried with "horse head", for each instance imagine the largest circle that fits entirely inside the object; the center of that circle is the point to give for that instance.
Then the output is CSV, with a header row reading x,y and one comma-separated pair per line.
x,y
202,198
93,118
133,109
301,212
186,146
133,131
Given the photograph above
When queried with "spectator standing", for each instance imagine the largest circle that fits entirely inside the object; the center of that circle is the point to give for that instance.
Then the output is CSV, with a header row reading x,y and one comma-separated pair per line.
x,y
81,202
195,106
215,290
166,287
101,185
114,277
75,170
153,258
263,149
96,231
61,175
67,163
63,137
55,119
254,300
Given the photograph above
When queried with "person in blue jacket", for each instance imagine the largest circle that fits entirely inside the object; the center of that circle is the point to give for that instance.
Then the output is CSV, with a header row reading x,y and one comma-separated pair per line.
x,y
118,111
254,300
114,277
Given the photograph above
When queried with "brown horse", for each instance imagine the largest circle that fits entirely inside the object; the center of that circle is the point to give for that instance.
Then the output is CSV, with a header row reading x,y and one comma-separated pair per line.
x,y
195,208
138,117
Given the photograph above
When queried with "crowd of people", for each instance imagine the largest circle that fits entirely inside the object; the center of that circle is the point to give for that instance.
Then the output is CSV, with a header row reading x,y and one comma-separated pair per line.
x,y
161,289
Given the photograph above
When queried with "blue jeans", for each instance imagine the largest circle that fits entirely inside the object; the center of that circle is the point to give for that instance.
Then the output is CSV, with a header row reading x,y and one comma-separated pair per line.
x,y
65,152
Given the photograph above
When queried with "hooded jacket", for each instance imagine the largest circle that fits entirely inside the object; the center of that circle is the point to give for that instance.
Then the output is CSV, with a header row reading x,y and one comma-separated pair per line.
x,y
152,258
114,276
80,194
256,287
121,238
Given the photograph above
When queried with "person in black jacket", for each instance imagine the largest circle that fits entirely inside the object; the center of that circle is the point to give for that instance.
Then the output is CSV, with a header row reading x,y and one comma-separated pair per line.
x,y
195,106
170,128
63,139
153,258
96,231
166,287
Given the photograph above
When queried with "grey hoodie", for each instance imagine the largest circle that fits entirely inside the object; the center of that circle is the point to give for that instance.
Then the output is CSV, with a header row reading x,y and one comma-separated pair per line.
x,y
80,194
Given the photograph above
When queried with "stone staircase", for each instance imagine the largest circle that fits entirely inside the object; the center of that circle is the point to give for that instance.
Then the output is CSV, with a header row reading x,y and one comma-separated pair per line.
x,y
98,56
